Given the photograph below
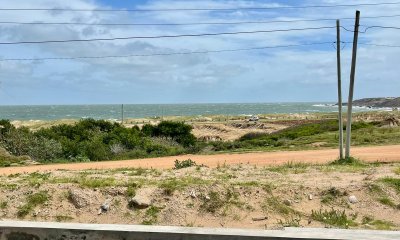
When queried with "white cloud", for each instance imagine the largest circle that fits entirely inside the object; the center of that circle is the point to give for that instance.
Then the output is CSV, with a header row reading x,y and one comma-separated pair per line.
x,y
216,77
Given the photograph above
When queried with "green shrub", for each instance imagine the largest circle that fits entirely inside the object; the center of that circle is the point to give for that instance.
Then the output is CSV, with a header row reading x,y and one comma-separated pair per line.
x,y
96,140
184,164
177,131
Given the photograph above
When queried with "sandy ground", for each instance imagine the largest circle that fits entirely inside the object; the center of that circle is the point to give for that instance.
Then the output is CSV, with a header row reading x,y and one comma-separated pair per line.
x,y
238,196
233,130
371,154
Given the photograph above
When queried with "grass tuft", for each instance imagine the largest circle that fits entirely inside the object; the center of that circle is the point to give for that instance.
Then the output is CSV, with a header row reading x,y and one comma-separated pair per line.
x,y
33,200
293,167
349,161
290,222
331,195
392,182
387,201
333,218
151,215
216,201
3,204
62,218
273,204
378,224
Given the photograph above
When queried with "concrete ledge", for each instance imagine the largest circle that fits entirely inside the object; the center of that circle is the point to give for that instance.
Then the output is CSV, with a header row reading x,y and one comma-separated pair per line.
x,y
15,230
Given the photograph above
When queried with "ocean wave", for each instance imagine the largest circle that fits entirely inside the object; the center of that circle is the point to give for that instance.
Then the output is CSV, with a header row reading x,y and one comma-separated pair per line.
x,y
324,105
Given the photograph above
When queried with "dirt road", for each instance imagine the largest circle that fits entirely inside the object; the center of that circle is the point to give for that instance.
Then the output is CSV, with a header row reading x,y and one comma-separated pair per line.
x,y
371,154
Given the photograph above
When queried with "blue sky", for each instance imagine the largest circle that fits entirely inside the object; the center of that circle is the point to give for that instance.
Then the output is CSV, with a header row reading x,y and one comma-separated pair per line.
x,y
270,75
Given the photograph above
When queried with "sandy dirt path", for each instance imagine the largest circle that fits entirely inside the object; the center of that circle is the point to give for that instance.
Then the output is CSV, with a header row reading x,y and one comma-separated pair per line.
x,y
371,154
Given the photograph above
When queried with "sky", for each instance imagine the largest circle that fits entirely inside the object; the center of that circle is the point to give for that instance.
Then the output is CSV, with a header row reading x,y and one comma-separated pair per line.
x,y
293,74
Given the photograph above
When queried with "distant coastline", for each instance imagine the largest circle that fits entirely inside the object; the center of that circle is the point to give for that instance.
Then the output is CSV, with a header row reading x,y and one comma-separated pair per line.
x,y
383,102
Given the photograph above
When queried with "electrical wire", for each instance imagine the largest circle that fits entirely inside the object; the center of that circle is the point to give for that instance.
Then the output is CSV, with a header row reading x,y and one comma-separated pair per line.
x,y
166,54
201,9
192,23
373,44
163,36
370,27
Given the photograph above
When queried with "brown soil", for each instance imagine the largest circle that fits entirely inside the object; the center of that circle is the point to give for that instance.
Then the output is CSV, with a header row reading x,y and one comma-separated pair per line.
x,y
370,154
228,196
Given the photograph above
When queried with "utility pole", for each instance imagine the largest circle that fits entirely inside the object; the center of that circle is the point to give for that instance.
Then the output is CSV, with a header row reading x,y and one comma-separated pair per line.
x,y
339,72
122,113
351,89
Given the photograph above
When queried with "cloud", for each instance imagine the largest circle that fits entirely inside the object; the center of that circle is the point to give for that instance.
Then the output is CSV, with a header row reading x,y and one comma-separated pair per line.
x,y
286,74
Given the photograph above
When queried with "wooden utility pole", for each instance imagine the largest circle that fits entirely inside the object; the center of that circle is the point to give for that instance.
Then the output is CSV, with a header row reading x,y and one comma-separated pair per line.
x,y
122,114
351,89
339,72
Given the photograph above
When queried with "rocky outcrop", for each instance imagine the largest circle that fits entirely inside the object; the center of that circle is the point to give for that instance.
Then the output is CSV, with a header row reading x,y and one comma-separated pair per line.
x,y
389,102
79,198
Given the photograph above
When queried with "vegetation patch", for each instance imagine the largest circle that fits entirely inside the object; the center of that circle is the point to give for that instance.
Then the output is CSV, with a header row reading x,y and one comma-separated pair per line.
x,y
184,164
32,201
169,186
9,186
332,194
63,218
292,167
392,182
333,218
3,204
292,221
273,204
350,161
388,202
215,201
151,215
93,140
378,224
131,190
89,182
36,179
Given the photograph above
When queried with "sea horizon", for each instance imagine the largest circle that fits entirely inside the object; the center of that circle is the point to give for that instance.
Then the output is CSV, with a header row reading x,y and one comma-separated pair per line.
x,y
114,111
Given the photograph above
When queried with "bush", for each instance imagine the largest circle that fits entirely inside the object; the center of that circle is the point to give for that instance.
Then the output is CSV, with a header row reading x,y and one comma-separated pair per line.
x,y
184,164
177,131
96,140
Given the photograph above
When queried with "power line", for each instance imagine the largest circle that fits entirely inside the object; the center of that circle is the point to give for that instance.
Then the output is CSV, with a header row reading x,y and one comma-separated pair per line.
x,y
380,45
192,23
382,27
162,36
200,9
166,54
375,45
371,27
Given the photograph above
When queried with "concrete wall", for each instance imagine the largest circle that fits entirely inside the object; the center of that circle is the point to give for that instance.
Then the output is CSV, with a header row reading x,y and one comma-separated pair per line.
x,y
12,230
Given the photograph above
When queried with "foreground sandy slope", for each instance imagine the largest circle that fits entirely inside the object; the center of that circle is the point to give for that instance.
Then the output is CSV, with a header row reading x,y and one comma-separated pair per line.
x,y
238,196
371,154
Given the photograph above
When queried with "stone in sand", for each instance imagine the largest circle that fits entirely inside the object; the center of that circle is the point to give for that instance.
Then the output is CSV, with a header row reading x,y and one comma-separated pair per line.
x,y
140,202
353,199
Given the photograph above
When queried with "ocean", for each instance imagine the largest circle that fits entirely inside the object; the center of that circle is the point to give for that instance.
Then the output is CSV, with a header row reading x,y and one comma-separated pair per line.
x,y
113,111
